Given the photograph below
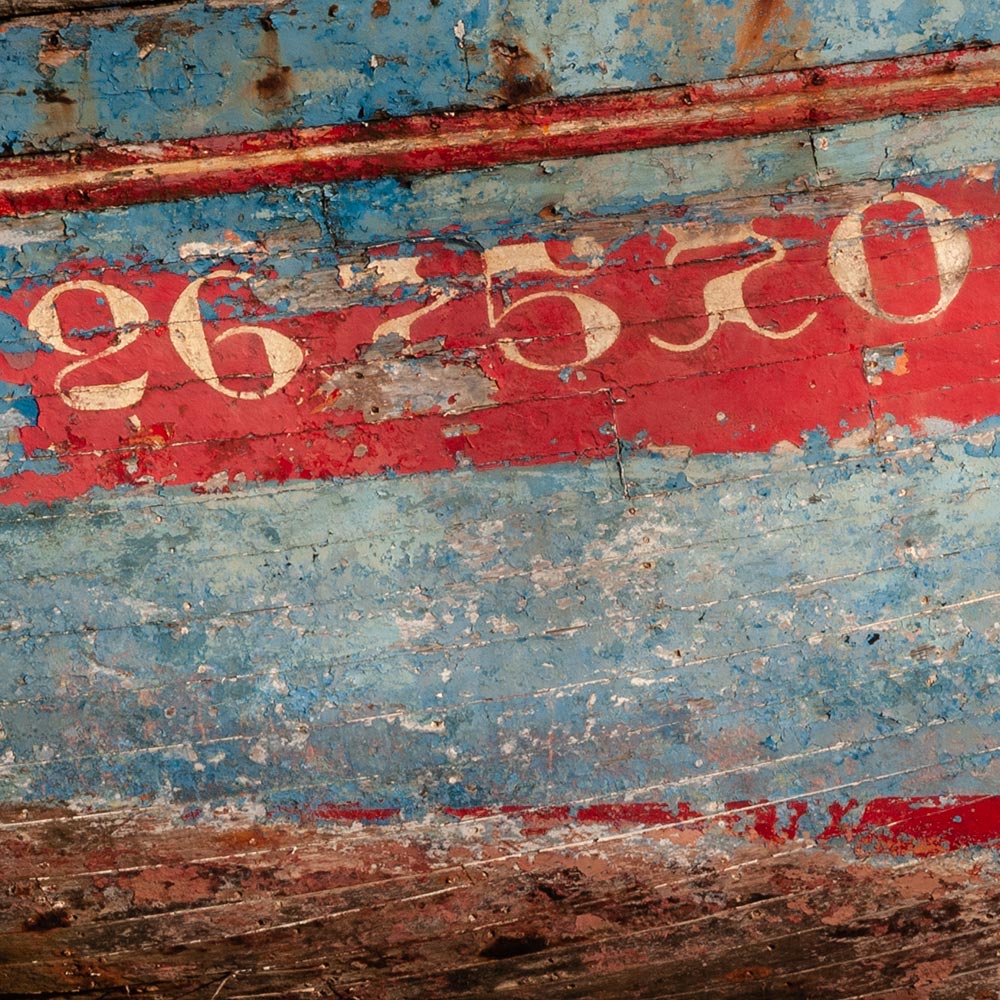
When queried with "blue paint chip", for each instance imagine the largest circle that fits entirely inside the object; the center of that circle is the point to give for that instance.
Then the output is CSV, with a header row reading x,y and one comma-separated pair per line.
x,y
15,337
18,407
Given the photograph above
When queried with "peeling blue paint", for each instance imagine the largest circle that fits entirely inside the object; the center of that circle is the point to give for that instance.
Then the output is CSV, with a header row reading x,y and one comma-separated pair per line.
x,y
527,635
316,226
133,77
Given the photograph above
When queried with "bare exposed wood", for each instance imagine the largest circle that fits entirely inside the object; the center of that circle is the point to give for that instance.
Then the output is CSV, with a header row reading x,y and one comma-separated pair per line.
x,y
11,10
409,912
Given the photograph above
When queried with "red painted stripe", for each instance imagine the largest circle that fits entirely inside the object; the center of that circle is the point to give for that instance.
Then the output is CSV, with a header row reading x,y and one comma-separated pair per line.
x,y
444,141
922,826
517,379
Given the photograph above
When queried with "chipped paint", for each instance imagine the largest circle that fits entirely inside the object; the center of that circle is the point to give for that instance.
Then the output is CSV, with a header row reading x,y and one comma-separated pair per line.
x,y
125,75
578,337
385,386
572,577
451,141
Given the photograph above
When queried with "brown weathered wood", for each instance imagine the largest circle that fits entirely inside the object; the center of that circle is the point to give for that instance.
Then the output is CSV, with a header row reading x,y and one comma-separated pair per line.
x,y
414,912
704,707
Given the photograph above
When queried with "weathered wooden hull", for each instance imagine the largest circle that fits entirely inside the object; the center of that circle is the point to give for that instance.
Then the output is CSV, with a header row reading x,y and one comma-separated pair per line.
x,y
544,545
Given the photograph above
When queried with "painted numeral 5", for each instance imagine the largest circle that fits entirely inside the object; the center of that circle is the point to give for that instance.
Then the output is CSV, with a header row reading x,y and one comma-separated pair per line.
x,y
601,325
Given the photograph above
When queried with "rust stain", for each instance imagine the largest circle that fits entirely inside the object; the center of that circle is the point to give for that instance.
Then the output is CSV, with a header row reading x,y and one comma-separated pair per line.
x,y
654,23
57,108
381,8
53,95
522,76
275,89
154,32
766,37
55,52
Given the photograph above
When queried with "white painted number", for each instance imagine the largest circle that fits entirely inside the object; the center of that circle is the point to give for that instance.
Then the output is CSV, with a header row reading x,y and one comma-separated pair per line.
x,y
403,271
952,255
601,325
187,333
723,296
127,314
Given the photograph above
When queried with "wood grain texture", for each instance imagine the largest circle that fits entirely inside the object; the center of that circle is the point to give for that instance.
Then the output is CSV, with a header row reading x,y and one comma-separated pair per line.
x,y
122,905
623,625
121,74
698,112
763,322
17,9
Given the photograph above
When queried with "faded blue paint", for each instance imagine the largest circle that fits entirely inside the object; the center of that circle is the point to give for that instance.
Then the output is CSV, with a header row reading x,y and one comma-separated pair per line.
x,y
311,227
19,408
207,69
780,626
15,338
908,145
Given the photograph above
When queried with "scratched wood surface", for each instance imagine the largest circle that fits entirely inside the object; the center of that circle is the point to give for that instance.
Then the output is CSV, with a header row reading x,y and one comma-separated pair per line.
x,y
569,577
710,712
119,905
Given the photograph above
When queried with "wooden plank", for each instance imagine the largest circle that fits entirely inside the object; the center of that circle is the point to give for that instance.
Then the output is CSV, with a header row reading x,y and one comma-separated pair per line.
x,y
123,74
11,10
443,354
405,913
693,113
670,659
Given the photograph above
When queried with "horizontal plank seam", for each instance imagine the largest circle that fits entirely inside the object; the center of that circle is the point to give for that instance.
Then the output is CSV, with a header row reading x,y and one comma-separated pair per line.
x,y
439,142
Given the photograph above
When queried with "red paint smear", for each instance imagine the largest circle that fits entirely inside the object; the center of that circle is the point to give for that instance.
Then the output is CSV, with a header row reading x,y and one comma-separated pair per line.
x,y
903,826
332,812
755,105
740,392
928,826
908,827
637,814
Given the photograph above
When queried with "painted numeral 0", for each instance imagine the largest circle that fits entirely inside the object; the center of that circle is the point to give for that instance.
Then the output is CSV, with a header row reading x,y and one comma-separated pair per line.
x,y
723,299
952,255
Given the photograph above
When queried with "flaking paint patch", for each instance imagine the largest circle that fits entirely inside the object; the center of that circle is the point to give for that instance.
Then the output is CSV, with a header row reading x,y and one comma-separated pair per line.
x,y
769,661
154,75
478,903
888,359
387,383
